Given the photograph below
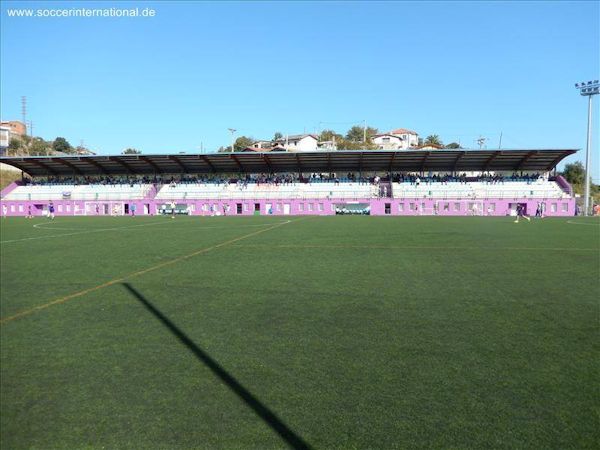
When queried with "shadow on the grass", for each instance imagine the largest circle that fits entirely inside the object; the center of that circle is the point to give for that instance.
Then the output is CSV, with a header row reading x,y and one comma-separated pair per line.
x,y
268,416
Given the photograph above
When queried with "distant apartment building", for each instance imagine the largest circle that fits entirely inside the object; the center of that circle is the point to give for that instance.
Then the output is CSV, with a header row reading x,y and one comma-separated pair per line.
x,y
399,139
4,139
8,131
16,127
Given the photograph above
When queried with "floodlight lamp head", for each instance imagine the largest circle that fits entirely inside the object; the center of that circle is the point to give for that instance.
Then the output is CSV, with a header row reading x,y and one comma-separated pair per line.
x,y
588,88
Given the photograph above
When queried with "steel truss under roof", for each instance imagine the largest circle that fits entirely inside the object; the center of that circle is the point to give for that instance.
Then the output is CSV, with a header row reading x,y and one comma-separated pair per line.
x,y
335,161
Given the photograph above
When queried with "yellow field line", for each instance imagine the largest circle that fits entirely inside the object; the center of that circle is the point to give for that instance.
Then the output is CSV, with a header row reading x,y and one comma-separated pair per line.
x,y
417,247
136,274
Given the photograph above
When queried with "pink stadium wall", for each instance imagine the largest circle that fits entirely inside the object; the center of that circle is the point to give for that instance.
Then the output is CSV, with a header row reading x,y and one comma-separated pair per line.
x,y
397,207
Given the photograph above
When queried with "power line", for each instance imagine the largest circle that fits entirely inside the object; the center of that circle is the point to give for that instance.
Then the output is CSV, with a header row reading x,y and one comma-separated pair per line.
x,y
24,112
341,123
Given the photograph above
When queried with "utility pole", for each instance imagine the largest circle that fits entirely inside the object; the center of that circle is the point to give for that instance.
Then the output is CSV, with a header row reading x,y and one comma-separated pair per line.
x,y
365,131
500,143
588,89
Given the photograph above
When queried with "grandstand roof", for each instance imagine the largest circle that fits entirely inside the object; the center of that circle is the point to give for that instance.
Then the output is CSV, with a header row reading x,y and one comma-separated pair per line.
x,y
316,161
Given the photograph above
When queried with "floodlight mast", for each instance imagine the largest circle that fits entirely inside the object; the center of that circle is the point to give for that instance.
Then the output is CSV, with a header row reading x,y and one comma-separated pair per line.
x,y
232,130
588,89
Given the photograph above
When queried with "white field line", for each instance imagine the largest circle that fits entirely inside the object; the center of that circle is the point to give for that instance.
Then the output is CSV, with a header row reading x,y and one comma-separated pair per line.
x,y
76,233
163,222
41,225
581,223
415,247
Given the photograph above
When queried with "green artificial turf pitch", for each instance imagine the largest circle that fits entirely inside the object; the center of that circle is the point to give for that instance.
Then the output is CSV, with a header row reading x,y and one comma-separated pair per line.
x,y
331,332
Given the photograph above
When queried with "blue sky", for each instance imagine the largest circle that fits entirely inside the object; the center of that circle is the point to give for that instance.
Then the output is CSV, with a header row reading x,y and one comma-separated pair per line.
x,y
178,80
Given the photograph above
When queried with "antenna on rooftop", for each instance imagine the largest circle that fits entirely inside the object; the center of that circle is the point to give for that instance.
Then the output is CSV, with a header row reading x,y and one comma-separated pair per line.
x,y
481,142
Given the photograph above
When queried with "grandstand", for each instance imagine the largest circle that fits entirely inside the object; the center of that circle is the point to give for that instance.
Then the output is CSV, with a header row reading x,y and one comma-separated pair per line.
x,y
436,182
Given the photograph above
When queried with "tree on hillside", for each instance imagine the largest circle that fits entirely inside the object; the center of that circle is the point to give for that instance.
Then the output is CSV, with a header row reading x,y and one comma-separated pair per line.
x,y
345,144
39,147
356,133
60,144
277,136
15,145
574,173
453,145
371,131
131,151
242,142
328,135
433,139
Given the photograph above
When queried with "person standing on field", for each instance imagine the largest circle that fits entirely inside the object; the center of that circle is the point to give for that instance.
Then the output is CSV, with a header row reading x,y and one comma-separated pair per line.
x,y
521,213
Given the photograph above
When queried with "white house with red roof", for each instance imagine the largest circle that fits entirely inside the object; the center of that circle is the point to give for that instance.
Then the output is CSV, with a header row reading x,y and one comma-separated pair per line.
x,y
298,142
399,139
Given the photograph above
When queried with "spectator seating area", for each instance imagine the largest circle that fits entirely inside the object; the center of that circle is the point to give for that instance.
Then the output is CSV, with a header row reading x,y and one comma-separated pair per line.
x,y
541,189
46,192
291,190
312,188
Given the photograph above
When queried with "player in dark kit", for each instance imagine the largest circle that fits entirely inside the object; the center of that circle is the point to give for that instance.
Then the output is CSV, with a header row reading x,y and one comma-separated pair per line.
x,y
521,213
